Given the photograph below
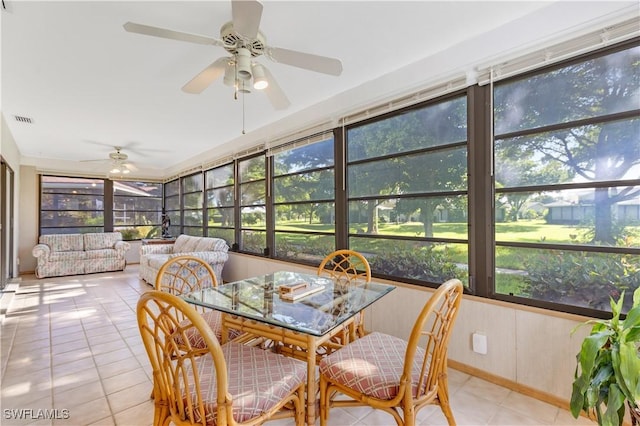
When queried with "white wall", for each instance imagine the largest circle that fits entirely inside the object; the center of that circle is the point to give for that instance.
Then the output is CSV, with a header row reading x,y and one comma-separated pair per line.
x,y
28,223
11,155
529,349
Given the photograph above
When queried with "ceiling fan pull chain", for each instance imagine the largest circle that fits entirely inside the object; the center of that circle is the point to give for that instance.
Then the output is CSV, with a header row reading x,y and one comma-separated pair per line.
x,y
243,113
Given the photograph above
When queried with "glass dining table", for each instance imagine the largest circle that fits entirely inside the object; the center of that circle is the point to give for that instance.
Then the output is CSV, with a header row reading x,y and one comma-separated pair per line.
x,y
261,308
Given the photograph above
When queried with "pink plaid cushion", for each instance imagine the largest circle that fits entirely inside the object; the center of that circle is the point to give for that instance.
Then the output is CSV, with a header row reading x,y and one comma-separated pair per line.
x,y
214,319
258,380
371,365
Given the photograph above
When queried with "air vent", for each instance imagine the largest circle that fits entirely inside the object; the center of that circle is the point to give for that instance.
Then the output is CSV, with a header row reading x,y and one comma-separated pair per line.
x,y
21,119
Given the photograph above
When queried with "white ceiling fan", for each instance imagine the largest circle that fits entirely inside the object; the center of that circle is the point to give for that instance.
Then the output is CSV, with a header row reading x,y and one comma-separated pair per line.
x,y
243,40
118,160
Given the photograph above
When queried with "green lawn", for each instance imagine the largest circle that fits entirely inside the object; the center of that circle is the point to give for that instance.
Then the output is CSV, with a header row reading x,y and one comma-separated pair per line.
x,y
522,231
506,257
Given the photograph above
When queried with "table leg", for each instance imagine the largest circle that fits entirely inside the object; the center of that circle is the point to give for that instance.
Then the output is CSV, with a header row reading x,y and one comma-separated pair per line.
x,y
311,380
224,330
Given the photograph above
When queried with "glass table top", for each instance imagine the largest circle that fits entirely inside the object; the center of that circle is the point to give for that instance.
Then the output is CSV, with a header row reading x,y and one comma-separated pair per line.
x,y
259,298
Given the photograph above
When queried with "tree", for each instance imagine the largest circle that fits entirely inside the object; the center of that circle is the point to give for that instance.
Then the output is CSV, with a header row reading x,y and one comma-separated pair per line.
x,y
306,174
428,164
600,146
516,167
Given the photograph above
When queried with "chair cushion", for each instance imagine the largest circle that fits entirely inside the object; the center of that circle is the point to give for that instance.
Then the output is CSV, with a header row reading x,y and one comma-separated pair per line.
x,y
258,380
371,365
214,320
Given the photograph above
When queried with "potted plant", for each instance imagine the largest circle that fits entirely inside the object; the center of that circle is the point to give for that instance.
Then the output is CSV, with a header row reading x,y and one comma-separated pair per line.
x,y
607,374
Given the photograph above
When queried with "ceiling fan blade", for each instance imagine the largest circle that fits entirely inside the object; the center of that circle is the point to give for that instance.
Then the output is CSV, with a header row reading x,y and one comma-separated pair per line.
x,y
307,61
246,17
273,91
130,166
206,76
132,27
92,161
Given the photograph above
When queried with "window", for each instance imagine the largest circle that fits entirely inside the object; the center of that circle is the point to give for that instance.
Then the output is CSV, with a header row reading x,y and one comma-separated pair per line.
x,y
137,209
192,204
407,192
304,200
253,208
71,205
535,200
172,206
567,196
220,197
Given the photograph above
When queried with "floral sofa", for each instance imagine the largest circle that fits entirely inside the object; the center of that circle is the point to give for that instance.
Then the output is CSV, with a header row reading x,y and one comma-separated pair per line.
x,y
152,256
74,254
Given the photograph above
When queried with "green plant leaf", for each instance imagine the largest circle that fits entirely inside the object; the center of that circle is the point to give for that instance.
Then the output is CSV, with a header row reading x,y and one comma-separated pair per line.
x,y
616,309
591,345
577,397
614,403
633,319
628,370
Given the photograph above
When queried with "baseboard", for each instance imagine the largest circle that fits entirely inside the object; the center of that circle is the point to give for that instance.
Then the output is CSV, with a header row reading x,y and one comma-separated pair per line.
x,y
509,384
516,387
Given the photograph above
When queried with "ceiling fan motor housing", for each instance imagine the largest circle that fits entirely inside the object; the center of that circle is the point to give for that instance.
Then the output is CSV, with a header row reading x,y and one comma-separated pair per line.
x,y
118,156
233,41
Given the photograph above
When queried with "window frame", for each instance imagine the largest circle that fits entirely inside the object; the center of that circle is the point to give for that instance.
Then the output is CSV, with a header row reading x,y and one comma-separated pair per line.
x,y
106,190
315,255
158,210
491,292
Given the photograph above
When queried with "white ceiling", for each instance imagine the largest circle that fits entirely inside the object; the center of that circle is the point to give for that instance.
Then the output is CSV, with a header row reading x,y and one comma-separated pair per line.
x,y
88,85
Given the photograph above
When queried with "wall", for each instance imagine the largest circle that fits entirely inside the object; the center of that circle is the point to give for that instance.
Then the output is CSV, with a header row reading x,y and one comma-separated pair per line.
x,y
11,155
28,218
530,350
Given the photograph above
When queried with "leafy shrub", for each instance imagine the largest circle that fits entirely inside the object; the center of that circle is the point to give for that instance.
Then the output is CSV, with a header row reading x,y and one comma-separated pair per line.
x,y
431,263
581,278
310,247
129,234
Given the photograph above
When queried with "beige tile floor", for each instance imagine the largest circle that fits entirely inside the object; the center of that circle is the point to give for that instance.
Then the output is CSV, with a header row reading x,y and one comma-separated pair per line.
x,y
72,344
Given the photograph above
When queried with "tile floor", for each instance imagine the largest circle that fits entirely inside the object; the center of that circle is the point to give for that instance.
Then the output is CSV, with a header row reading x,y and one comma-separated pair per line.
x,y
72,344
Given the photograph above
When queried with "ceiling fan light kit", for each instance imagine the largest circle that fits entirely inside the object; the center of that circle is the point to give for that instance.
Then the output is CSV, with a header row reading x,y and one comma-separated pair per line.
x,y
119,169
244,63
260,81
230,74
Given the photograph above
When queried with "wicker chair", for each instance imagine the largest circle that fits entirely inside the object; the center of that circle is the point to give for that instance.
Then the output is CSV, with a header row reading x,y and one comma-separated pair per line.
x,y
184,274
347,266
232,384
391,374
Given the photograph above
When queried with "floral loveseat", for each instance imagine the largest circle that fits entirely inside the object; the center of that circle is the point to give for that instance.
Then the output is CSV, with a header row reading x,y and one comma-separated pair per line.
x,y
74,254
153,256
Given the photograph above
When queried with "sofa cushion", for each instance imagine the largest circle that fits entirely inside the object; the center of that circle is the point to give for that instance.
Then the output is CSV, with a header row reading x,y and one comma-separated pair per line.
x,y
66,256
156,260
101,254
63,242
188,244
101,240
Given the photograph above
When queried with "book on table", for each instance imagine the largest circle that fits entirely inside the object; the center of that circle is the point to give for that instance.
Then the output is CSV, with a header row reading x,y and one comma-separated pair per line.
x,y
300,292
291,287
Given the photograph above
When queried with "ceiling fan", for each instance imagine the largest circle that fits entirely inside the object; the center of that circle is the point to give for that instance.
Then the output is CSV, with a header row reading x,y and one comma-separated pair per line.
x,y
118,162
242,39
